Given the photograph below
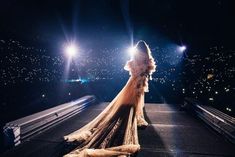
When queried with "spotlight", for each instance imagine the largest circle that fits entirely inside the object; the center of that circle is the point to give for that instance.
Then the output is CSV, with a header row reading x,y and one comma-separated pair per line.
x,y
132,50
182,48
71,50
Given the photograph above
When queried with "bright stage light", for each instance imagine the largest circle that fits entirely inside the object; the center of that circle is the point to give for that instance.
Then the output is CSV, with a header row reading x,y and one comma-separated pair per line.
x,y
71,50
182,48
132,50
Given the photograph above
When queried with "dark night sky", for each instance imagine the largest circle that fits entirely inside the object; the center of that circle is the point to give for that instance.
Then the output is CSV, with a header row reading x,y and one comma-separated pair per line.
x,y
196,23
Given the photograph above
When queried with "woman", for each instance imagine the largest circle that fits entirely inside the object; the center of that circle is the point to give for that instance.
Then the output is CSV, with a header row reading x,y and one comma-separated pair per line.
x,y
114,131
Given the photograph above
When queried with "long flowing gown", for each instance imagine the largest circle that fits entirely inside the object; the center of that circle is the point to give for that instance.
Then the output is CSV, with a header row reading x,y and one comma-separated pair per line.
x,y
114,131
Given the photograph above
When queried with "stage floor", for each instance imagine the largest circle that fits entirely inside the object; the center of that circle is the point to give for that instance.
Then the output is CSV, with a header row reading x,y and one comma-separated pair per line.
x,y
171,132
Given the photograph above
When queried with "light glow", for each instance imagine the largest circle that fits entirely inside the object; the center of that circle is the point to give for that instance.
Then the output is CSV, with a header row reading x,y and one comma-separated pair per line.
x,y
132,51
71,50
182,48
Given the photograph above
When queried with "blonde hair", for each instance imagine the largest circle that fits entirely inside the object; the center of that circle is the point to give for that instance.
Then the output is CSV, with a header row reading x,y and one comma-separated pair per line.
x,y
142,47
143,57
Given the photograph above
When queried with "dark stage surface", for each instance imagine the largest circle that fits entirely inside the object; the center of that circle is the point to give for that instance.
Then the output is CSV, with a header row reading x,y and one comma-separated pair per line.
x,y
172,133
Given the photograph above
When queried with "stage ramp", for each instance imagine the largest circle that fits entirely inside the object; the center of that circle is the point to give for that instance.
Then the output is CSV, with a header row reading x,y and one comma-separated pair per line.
x,y
172,132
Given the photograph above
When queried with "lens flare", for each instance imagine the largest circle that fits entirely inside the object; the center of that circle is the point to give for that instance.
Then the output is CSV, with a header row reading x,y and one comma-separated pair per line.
x,y
71,50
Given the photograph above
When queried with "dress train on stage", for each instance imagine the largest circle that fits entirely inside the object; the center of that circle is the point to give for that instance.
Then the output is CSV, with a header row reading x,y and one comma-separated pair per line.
x,y
114,131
